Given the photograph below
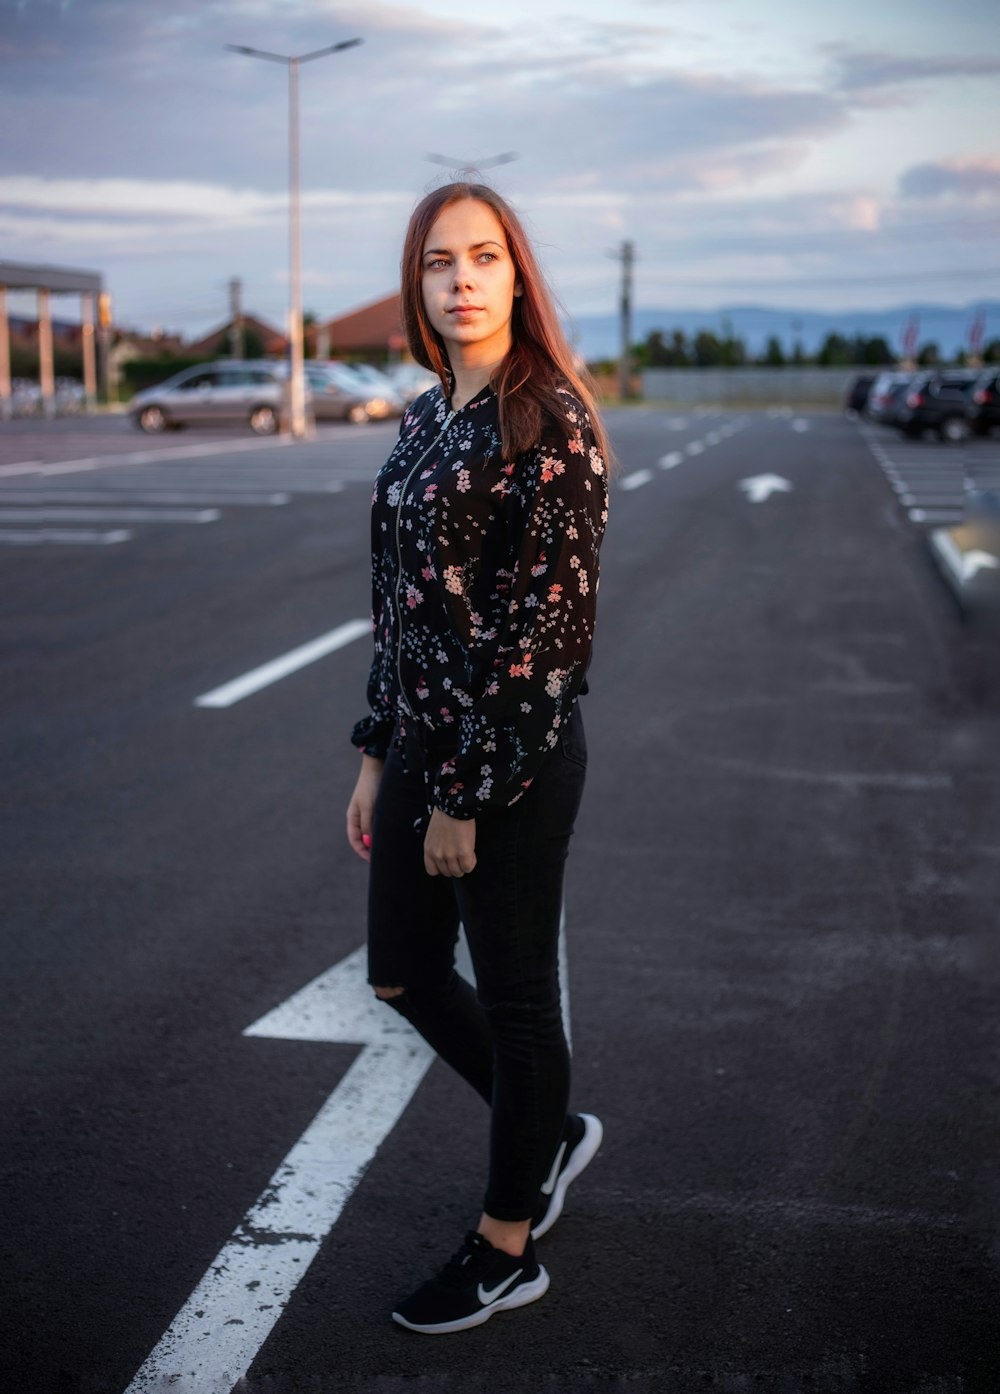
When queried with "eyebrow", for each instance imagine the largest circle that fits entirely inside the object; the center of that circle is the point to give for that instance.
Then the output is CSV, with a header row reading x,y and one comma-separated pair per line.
x,y
446,251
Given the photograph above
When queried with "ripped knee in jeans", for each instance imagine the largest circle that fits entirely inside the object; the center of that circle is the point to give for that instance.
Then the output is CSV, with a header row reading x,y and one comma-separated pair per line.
x,y
385,994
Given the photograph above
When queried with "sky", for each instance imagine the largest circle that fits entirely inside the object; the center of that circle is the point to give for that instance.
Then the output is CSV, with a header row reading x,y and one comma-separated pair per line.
x,y
806,155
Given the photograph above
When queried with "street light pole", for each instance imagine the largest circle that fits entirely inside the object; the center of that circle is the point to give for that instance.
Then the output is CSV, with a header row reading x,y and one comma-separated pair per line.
x,y
296,377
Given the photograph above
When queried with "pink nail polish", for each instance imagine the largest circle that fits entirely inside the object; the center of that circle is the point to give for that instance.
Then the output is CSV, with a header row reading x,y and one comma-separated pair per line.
x,y
366,839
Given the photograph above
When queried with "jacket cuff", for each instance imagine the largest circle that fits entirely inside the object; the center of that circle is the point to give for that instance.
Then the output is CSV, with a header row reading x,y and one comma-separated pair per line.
x,y
372,735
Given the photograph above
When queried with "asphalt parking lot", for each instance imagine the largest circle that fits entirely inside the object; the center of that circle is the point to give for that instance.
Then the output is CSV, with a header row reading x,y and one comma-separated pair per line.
x,y
223,1166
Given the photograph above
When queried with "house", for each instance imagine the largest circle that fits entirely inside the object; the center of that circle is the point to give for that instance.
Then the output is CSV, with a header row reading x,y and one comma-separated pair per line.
x,y
374,332
260,340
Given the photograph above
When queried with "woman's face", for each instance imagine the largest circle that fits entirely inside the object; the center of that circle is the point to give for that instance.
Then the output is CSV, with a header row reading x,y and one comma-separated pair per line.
x,y
469,282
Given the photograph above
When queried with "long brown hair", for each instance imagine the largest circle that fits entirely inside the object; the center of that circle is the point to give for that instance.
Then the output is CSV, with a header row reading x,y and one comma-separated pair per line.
x,y
539,360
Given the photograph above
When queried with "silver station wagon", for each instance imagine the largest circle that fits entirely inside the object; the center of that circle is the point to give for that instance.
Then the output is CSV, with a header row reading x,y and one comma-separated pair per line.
x,y
211,393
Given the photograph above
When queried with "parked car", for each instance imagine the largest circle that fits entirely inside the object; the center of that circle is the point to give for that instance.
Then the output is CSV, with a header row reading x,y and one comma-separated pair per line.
x,y
983,409
857,392
377,405
885,395
378,384
230,390
334,398
938,401
410,380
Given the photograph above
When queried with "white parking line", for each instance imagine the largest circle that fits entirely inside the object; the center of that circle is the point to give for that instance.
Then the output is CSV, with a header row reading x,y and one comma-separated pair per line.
x,y
142,457
138,495
636,480
278,668
110,515
695,447
671,461
214,1338
28,537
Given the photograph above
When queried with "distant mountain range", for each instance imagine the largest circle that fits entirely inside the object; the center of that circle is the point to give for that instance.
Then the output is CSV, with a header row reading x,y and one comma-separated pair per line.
x,y
597,336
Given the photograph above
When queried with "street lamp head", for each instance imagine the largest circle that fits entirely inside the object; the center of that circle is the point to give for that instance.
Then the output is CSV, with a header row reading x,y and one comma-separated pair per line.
x,y
257,53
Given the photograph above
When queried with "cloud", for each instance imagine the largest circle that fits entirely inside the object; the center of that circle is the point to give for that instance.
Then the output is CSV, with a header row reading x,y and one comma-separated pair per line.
x,y
137,144
972,178
135,92
863,70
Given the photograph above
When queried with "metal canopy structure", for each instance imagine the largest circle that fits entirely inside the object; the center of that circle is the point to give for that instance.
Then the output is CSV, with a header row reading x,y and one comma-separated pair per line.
x,y
47,281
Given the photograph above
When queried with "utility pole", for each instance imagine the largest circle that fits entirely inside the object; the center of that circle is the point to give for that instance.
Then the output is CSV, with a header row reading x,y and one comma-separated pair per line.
x,y
236,318
627,258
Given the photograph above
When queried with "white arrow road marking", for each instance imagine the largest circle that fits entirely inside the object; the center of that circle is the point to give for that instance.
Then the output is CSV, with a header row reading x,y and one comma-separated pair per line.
x,y
214,1338
760,487
636,480
216,1335
671,461
268,673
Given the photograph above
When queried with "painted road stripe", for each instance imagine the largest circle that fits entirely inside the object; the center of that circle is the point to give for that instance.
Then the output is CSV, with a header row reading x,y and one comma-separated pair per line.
x,y
800,424
671,461
138,495
937,515
63,536
110,515
695,447
141,457
636,480
278,668
212,1342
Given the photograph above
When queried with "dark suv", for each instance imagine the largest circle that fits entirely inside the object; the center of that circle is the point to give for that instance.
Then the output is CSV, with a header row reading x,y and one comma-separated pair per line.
x,y
937,401
983,410
885,395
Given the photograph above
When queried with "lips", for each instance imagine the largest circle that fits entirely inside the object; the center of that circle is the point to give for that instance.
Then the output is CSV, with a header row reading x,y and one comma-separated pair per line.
x,y
465,309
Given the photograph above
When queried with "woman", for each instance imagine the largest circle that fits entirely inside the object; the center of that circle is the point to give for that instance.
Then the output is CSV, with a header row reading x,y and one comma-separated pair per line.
x,y
486,525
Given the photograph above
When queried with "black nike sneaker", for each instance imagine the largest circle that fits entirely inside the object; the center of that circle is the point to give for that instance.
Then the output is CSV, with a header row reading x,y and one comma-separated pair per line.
x,y
477,1282
580,1140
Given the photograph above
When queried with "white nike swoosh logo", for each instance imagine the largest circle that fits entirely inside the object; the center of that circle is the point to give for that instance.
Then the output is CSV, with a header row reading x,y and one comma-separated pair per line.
x,y
550,1184
487,1297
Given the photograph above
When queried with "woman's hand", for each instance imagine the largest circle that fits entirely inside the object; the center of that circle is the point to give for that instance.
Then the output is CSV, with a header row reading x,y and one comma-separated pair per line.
x,y
362,806
449,845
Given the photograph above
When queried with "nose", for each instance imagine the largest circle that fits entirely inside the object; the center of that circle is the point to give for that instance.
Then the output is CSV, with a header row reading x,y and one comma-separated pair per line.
x,y
462,276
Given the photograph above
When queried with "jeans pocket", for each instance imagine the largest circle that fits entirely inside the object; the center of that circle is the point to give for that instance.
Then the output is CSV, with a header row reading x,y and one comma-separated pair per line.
x,y
573,741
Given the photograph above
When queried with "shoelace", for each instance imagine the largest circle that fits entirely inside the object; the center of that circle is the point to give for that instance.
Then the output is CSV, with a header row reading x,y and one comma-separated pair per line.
x,y
453,1273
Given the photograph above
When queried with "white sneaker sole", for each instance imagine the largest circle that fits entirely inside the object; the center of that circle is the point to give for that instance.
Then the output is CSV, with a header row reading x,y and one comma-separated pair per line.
x,y
584,1154
519,1297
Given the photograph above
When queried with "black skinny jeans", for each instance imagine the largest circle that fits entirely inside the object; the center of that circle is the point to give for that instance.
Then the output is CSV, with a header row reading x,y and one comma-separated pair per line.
x,y
506,1036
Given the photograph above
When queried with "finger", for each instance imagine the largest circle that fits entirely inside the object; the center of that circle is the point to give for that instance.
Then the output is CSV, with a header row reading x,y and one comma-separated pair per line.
x,y
354,837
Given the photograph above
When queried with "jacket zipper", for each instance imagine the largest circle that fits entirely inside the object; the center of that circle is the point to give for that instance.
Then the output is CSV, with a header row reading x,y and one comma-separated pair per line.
x,y
399,559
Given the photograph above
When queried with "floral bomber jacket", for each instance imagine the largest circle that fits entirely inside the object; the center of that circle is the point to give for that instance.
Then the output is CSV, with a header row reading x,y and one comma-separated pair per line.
x,y
484,582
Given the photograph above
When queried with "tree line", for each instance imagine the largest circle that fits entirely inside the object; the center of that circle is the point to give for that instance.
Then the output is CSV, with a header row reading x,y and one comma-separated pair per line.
x,y
726,350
